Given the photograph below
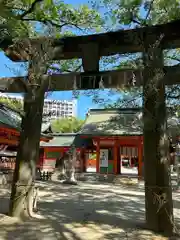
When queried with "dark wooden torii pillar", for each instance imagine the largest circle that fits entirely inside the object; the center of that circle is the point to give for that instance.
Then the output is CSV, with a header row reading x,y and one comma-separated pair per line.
x,y
159,217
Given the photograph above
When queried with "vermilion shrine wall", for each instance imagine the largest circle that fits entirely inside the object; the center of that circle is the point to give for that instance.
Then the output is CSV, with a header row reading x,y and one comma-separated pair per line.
x,y
116,148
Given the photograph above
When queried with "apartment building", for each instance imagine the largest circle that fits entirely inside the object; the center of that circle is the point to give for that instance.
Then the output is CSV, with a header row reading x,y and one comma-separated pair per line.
x,y
53,109
60,108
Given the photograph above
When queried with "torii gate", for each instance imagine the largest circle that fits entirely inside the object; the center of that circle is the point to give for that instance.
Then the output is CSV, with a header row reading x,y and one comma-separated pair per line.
x,y
90,48
150,41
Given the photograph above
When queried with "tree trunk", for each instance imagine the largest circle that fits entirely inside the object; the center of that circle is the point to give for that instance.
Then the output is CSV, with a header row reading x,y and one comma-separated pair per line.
x,y
158,192
21,201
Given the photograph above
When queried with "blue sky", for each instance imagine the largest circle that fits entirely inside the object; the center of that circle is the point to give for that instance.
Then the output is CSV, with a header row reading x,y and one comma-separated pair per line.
x,y
9,68
76,2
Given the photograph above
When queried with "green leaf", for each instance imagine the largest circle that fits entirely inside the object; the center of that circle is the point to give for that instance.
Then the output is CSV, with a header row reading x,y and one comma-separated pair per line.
x,y
67,125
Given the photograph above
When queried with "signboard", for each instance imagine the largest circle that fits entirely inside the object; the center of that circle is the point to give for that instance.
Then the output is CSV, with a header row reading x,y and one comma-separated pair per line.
x,y
103,157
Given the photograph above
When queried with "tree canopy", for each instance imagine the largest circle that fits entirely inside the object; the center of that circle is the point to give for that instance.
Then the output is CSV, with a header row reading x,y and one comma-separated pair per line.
x,y
33,18
12,103
137,13
67,125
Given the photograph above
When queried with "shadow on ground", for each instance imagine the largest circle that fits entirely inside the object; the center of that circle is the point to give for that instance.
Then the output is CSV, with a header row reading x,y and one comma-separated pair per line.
x,y
84,212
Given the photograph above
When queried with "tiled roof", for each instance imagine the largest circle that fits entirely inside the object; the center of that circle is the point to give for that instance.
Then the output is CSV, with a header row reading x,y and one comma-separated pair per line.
x,y
9,118
119,122
113,122
59,141
12,119
67,140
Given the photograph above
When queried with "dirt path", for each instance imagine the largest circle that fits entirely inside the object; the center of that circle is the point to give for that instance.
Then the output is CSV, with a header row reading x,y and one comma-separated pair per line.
x,y
83,212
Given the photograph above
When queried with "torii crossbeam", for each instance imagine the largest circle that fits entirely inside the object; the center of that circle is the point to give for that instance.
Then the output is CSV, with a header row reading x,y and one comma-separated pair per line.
x,y
72,81
106,44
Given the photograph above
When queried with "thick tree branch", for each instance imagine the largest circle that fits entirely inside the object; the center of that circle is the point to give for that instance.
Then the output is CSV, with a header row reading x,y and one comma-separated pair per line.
x,y
30,10
149,10
173,58
44,21
174,97
48,21
78,68
135,21
138,21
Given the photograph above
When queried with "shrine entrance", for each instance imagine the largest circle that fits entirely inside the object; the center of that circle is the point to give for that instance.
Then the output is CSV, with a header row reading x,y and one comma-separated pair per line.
x,y
129,160
115,155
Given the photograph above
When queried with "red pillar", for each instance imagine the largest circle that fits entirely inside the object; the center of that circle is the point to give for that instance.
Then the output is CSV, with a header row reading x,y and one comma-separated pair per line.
x,y
140,156
115,157
43,159
97,156
83,160
120,157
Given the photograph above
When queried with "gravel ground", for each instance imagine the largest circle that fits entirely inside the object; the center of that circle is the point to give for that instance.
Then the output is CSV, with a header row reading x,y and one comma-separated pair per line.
x,y
83,212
